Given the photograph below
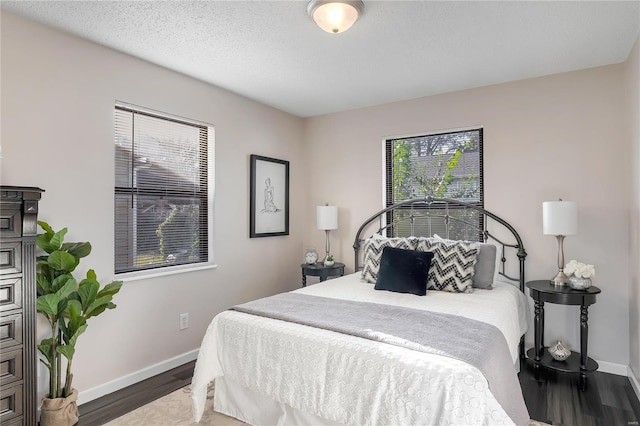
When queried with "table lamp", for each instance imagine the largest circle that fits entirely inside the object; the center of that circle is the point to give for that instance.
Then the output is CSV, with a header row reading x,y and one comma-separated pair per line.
x,y
327,220
560,218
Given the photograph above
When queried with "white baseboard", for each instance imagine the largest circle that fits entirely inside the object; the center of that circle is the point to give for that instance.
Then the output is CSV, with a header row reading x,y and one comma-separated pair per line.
x,y
635,383
138,376
612,368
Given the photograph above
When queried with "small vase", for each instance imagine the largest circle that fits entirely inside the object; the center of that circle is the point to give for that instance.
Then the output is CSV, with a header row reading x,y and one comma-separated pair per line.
x,y
578,283
329,263
559,352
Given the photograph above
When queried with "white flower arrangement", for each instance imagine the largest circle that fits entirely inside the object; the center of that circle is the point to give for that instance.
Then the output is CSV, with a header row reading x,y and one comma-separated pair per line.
x,y
579,269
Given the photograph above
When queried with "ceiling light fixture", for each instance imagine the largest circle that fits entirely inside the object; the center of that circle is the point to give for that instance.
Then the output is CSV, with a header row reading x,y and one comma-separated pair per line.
x,y
335,16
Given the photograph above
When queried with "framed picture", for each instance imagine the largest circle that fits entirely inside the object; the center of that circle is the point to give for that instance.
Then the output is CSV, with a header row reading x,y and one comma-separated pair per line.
x,y
269,199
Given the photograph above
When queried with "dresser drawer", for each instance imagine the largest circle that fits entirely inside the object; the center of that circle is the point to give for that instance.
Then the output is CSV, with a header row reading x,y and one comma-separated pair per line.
x,y
10,294
18,421
10,220
11,406
10,366
10,257
10,330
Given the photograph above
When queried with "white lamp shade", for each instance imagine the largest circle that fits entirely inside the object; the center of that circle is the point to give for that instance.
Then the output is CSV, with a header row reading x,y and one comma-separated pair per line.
x,y
327,217
559,218
335,16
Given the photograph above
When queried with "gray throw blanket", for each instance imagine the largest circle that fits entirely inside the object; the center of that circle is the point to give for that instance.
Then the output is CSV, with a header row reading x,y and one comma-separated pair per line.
x,y
474,342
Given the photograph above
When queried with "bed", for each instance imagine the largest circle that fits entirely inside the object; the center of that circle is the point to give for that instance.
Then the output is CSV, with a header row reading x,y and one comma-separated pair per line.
x,y
337,352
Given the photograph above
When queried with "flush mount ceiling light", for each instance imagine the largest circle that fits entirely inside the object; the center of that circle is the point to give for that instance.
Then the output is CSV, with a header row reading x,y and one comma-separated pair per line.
x,y
335,16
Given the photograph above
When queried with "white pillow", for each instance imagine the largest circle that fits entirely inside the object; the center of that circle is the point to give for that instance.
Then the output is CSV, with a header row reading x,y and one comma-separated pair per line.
x,y
487,265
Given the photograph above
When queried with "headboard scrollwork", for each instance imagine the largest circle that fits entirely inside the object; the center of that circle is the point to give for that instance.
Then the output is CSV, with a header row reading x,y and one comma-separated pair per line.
x,y
451,219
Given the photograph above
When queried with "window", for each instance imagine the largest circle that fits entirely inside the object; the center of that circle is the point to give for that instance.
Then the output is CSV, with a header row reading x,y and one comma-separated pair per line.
x,y
162,192
443,165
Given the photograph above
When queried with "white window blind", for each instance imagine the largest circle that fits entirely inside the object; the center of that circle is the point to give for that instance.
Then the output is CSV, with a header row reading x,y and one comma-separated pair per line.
x,y
161,190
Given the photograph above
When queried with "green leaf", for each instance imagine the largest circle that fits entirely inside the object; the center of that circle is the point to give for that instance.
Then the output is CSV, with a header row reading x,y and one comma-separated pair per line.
x,y
44,286
44,225
45,348
63,327
74,308
97,306
87,291
98,310
62,306
48,304
42,241
75,328
58,238
67,350
63,281
91,275
74,296
66,289
62,261
74,338
110,289
78,250
45,363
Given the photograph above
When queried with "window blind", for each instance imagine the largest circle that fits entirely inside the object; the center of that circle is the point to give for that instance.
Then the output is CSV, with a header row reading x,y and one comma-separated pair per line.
x,y
161,191
443,165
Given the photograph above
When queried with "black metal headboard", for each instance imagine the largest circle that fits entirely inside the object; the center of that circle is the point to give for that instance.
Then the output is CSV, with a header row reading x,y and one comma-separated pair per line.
x,y
451,219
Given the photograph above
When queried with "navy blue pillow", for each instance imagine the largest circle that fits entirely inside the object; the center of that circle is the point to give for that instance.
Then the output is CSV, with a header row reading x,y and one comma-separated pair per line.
x,y
404,271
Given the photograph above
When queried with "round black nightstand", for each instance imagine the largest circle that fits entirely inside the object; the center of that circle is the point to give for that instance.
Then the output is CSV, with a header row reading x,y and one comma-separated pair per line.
x,y
319,270
545,291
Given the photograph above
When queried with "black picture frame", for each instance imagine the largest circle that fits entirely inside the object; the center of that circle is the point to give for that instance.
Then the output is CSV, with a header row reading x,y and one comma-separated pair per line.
x,y
269,197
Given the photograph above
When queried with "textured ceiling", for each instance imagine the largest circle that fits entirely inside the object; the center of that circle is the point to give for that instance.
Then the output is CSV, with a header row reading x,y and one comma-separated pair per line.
x,y
272,52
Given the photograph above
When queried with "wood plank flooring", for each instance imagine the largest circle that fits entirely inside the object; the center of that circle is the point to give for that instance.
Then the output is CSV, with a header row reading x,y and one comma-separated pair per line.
x,y
112,406
609,400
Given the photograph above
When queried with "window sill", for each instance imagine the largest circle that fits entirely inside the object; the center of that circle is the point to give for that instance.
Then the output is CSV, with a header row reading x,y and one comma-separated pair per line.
x,y
143,275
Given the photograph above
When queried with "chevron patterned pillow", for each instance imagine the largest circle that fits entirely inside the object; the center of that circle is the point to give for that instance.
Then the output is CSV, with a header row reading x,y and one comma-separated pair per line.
x,y
373,253
453,264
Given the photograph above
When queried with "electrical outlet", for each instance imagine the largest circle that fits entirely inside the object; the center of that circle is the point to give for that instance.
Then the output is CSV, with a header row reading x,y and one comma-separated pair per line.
x,y
184,321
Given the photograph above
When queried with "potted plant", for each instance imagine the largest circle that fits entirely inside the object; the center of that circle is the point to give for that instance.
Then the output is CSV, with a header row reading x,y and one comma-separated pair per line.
x,y
67,305
329,260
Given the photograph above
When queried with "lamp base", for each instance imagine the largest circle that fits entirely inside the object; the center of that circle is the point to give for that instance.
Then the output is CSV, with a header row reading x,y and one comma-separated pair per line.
x,y
327,246
560,279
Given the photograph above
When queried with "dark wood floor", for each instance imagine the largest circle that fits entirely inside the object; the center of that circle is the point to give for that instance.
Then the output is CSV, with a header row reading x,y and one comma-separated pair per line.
x,y
112,406
608,400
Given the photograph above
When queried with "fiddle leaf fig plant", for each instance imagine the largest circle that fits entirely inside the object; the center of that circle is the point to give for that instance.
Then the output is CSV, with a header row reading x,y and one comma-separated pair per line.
x,y
65,303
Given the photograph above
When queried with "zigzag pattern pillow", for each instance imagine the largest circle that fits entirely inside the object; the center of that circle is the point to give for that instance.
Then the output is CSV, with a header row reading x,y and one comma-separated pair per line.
x,y
453,264
373,253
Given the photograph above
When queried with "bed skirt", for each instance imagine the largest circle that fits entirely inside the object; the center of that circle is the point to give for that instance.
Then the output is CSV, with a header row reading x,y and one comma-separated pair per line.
x,y
253,408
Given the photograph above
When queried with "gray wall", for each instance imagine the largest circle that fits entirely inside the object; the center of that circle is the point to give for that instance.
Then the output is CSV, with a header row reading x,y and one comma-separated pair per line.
x,y
58,95
632,83
564,136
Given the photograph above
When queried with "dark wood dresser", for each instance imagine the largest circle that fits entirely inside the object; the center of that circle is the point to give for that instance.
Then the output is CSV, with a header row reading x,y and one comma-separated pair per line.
x,y
18,359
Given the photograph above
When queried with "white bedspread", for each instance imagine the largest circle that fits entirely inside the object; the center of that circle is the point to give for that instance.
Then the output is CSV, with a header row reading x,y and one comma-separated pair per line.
x,y
355,381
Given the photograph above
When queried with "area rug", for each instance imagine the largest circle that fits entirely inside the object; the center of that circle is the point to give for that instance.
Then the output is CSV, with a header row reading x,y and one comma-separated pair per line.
x,y
175,410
